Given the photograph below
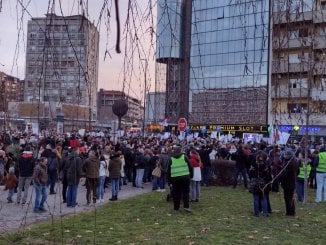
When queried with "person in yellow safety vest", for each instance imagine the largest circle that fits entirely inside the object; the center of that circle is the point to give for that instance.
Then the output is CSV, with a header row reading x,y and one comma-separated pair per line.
x,y
300,179
180,172
320,163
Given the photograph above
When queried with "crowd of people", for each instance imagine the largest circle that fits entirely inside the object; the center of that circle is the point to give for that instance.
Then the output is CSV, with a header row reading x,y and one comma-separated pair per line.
x,y
183,166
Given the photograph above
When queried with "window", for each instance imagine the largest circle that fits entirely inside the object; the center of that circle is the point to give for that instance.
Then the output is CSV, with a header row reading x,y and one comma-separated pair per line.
x,y
323,5
294,59
300,83
296,107
294,34
322,31
303,32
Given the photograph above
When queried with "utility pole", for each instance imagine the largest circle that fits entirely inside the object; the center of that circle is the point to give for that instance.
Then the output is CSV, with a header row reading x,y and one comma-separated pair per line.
x,y
145,87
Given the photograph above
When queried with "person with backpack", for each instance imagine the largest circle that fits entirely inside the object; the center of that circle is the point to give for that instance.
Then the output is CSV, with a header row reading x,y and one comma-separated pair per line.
x,y
53,164
260,176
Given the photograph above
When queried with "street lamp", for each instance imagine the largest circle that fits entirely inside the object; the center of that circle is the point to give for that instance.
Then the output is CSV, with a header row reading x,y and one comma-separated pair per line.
x,y
145,87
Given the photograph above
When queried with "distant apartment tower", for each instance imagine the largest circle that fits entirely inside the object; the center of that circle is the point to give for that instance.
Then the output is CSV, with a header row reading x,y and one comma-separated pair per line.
x,y
62,66
10,90
106,99
299,64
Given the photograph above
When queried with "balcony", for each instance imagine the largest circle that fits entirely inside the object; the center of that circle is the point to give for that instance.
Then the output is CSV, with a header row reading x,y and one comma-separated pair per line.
x,y
283,17
319,68
283,92
319,16
319,42
318,94
285,43
283,66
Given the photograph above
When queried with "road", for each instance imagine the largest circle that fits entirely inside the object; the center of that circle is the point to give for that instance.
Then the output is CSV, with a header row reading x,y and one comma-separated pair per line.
x,y
14,216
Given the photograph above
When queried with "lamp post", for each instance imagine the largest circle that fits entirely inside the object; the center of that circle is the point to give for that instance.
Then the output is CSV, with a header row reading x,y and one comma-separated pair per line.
x,y
145,87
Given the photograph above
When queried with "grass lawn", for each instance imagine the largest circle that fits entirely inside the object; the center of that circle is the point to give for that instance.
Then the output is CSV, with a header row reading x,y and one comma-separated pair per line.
x,y
223,216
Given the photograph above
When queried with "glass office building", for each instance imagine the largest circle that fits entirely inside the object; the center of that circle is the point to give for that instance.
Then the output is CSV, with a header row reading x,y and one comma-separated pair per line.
x,y
223,62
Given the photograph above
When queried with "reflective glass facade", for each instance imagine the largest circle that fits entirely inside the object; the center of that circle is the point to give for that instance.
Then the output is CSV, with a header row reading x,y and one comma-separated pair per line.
x,y
169,29
223,68
229,61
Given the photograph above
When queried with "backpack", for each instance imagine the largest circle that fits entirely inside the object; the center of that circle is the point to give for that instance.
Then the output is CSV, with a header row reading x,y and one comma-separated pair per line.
x,y
52,163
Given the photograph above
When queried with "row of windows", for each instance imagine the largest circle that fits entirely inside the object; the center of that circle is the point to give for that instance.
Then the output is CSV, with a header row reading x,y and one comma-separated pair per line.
x,y
35,35
231,7
229,59
198,36
248,45
226,82
293,6
226,24
217,15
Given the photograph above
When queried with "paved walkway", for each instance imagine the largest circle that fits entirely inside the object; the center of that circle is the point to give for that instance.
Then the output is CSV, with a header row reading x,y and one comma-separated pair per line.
x,y
14,216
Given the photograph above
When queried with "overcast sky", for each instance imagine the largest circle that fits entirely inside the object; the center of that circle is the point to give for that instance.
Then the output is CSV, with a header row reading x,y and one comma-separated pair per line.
x,y
111,75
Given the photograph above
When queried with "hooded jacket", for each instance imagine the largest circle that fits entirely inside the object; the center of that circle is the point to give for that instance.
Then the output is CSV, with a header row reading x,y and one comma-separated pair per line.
x,y
115,166
260,176
73,169
26,164
91,166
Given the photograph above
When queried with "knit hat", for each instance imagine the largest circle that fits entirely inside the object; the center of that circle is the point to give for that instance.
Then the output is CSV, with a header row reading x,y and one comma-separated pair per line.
x,y
11,170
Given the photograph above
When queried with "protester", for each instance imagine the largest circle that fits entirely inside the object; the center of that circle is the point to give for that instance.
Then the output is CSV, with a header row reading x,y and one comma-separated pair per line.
x,y
40,180
164,162
241,166
91,167
11,183
101,180
180,172
300,178
115,172
197,165
288,178
260,177
63,172
52,167
320,163
73,168
129,163
204,153
140,164
26,164
156,172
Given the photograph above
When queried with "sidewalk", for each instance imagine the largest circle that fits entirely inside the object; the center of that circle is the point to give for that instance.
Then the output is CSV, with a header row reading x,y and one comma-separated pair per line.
x,y
13,216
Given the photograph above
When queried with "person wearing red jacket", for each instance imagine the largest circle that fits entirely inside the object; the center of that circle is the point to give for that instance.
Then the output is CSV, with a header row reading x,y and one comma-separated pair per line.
x,y
197,165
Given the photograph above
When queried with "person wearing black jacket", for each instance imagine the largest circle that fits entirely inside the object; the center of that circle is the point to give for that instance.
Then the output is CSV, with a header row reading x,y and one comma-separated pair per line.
x,y
140,164
260,176
288,178
180,172
241,164
73,170
207,165
129,163
26,164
